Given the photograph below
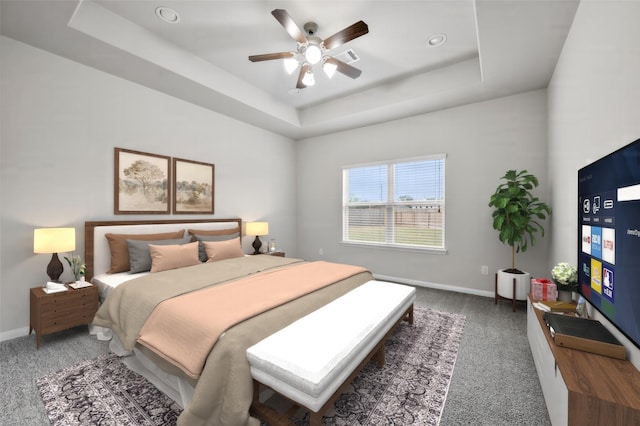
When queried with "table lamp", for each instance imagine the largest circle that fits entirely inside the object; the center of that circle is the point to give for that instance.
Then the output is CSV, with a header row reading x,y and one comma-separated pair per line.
x,y
257,229
54,240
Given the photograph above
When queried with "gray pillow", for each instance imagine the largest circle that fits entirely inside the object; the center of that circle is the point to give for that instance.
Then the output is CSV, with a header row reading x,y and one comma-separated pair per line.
x,y
202,252
139,255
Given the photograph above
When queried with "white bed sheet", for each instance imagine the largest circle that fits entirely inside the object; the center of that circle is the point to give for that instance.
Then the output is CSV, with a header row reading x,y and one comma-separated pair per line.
x,y
177,388
107,282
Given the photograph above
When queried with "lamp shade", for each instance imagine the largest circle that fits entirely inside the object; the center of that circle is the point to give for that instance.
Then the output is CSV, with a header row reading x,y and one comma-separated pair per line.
x,y
290,65
329,68
308,79
54,240
257,228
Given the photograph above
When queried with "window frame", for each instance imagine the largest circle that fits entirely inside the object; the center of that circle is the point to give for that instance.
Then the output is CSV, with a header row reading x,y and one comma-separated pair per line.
x,y
389,205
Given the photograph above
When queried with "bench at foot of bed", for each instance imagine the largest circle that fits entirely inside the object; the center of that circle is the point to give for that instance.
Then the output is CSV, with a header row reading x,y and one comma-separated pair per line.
x,y
313,360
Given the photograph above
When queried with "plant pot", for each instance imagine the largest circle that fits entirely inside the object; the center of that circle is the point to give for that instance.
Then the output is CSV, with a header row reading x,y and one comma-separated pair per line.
x,y
505,284
565,296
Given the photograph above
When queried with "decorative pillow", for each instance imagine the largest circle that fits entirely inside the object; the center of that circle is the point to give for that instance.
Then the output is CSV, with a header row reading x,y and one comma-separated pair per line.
x,y
172,257
202,253
120,253
140,256
212,232
220,250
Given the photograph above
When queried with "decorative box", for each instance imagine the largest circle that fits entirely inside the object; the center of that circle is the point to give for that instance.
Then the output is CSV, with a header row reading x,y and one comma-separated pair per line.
x,y
543,289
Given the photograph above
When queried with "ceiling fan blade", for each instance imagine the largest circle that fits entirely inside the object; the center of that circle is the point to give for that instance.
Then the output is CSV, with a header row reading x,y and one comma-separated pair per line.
x,y
303,70
341,37
345,68
270,56
289,25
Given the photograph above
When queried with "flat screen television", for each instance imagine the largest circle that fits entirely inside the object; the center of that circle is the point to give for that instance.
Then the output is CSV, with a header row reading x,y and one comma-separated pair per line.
x,y
609,237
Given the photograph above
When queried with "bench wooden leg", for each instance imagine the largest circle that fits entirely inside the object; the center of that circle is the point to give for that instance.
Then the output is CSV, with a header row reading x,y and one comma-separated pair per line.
x,y
379,356
266,413
315,419
408,316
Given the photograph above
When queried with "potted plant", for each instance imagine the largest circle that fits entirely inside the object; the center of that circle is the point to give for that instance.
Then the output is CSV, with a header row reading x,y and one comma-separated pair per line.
x,y
516,217
566,278
78,267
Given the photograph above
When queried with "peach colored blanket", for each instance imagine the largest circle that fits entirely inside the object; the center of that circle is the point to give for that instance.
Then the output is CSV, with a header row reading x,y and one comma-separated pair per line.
x,y
184,329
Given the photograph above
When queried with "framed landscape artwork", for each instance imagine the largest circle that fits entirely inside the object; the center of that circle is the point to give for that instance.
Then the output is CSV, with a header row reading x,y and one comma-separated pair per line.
x,y
193,187
141,182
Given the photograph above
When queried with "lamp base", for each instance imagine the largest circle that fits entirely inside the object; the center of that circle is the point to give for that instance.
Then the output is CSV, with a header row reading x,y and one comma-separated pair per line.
x,y
55,268
256,245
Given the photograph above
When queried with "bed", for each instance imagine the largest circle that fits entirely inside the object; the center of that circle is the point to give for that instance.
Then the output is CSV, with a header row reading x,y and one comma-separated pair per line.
x,y
218,391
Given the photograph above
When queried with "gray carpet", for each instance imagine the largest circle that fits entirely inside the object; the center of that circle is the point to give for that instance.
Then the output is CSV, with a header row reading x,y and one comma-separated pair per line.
x,y
494,381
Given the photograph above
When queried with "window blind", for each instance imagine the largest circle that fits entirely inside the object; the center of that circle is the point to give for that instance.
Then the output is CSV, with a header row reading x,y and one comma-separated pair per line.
x,y
396,204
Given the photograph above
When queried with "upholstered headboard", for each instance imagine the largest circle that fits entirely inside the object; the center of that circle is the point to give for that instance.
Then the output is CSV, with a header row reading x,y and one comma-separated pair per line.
x,y
96,247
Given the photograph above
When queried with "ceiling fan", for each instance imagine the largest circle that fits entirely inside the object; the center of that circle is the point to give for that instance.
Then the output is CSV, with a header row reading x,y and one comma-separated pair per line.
x,y
312,50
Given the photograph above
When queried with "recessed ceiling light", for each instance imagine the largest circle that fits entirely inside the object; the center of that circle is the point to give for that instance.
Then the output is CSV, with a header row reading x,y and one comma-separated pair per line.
x,y
167,15
293,92
437,40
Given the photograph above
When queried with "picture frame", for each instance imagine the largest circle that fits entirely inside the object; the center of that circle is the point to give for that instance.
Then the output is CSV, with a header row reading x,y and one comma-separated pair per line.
x,y
141,182
193,187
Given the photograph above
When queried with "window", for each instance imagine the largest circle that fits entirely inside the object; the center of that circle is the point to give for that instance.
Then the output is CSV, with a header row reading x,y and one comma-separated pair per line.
x,y
395,204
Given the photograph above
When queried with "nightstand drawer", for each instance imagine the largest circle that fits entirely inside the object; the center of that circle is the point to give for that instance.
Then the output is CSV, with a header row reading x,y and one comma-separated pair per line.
x,y
67,298
66,320
64,309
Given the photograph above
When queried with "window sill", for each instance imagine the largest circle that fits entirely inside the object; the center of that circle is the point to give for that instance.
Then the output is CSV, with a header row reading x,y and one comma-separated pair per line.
x,y
427,250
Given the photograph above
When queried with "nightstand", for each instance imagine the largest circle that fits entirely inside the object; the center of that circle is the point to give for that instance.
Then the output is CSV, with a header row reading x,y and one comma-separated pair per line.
x,y
275,253
50,313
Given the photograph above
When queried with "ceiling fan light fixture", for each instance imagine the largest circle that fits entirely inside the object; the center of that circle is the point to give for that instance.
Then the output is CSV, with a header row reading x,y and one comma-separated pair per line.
x,y
313,54
308,79
329,68
290,65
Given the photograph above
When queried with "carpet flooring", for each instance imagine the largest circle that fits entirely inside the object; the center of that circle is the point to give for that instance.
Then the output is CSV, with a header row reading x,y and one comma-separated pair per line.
x,y
410,389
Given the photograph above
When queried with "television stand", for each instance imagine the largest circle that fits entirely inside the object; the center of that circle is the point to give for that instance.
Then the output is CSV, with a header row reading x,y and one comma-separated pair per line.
x,y
581,388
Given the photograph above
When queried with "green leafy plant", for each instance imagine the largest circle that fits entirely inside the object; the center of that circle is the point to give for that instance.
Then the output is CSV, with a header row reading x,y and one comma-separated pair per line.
x,y
517,212
565,276
78,267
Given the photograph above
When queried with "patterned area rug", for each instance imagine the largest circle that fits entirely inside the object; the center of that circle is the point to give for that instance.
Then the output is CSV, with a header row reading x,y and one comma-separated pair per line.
x,y
409,390
103,391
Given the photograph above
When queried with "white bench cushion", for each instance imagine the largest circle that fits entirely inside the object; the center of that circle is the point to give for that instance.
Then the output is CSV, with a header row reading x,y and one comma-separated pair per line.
x,y
309,360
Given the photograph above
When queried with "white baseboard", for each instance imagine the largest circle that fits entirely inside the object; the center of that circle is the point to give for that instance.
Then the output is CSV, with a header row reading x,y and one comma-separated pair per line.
x,y
12,334
437,286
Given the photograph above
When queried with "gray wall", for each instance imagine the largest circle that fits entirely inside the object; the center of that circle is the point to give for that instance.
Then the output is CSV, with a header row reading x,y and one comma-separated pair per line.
x,y
593,105
481,141
60,124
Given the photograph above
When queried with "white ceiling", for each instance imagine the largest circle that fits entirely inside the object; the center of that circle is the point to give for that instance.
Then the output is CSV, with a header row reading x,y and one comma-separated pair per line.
x,y
494,48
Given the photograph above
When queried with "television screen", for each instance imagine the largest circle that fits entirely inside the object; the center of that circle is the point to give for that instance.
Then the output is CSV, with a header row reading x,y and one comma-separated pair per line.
x,y
609,237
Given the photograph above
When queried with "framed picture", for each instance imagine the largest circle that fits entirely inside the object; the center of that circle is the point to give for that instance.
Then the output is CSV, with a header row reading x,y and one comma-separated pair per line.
x,y
141,182
193,186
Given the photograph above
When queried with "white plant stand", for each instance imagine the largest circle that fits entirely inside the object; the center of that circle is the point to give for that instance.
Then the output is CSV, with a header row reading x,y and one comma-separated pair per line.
x,y
513,287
